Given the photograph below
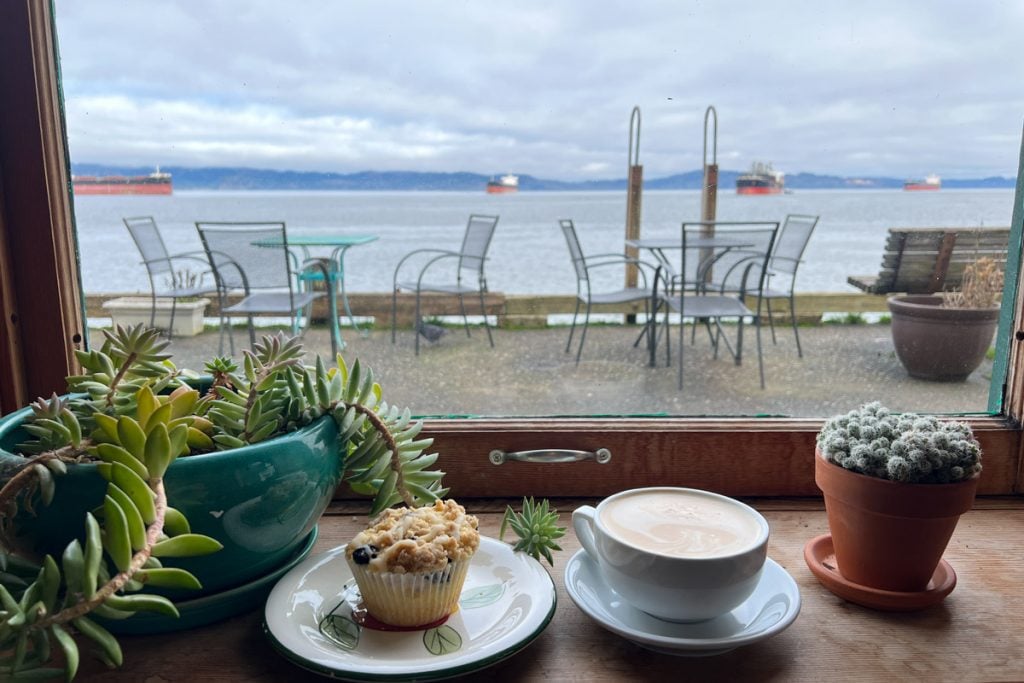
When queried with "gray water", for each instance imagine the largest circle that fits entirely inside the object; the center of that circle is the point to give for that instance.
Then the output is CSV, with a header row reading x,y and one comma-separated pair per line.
x,y
528,255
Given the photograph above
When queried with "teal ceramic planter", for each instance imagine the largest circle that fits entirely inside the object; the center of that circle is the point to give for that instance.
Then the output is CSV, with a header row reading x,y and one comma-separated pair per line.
x,y
261,501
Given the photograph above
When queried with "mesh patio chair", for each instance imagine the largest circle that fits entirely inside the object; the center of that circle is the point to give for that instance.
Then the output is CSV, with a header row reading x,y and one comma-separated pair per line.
x,y
469,274
160,267
585,296
253,258
732,276
790,244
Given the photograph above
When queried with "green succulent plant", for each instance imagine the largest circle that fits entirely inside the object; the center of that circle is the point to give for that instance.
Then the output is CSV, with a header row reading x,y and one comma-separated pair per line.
x,y
906,447
133,413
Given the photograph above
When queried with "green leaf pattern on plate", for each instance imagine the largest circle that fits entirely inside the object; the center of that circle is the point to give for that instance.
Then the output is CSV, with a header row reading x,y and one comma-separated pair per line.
x,y
340,630
442,640
344,632
482,596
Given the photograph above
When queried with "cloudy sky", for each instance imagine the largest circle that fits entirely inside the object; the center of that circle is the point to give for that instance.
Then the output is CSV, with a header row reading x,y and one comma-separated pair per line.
x,y
875,87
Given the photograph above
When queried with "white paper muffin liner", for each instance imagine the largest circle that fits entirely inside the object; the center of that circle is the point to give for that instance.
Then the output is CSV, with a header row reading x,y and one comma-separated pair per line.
x,y
411,599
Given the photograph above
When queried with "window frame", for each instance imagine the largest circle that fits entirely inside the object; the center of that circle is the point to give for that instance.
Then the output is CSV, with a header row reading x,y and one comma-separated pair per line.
x,y
736,456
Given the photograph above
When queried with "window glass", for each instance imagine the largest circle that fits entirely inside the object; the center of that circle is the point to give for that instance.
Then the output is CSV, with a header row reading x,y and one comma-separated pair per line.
x,y
341,120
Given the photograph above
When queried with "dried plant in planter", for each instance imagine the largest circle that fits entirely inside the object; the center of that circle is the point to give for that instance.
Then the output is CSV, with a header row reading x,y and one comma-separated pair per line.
x,y
981,287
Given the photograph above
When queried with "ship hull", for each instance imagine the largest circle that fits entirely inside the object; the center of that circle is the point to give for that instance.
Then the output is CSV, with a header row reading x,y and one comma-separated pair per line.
x,y
121,188
759,189
501,189
761,179
920,187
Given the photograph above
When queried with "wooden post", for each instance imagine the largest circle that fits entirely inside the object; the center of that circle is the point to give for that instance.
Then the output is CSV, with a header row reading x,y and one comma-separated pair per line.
x,y
709,193
634,190
709,189
708,206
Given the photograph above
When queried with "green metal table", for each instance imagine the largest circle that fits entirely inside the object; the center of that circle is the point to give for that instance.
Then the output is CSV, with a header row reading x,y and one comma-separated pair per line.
x,y
339,244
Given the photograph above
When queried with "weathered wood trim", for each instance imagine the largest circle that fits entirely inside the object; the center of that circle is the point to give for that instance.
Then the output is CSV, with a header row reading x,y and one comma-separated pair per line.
x,y
40,260
737,457
511,309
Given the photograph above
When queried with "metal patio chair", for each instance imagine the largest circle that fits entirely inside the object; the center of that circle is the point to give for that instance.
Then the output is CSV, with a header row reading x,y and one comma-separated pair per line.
x,y
732,277
253,257
585,296
160,265
790,244
469,274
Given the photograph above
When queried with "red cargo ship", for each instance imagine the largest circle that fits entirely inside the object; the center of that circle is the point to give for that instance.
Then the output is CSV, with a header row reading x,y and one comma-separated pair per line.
x,y
932,182
503,185
761,179
154,183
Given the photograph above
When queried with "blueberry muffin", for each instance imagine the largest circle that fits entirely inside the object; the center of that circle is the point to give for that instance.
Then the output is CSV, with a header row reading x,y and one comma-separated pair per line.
x,y
410,564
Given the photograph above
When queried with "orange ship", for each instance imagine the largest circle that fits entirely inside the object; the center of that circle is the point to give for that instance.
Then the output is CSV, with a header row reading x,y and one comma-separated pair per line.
x,y
503,185
761,179
932,182
154,183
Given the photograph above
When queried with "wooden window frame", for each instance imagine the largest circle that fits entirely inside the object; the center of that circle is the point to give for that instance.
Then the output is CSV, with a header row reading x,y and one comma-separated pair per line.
x,y
42,323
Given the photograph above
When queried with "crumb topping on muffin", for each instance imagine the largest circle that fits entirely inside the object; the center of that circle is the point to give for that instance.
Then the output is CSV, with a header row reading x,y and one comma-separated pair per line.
x,y
425,539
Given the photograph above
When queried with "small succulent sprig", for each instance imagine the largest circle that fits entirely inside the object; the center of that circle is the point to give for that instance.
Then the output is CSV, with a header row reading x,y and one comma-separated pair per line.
x,y
906,447
129,359
252,405
537,529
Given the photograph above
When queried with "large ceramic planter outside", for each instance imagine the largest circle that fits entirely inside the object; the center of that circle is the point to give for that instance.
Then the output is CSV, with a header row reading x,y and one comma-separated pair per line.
x,y
940,344
889,535
129,311
261,501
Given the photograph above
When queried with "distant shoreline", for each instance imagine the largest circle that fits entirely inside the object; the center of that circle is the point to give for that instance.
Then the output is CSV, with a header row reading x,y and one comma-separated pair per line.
x,y
730,191
235,179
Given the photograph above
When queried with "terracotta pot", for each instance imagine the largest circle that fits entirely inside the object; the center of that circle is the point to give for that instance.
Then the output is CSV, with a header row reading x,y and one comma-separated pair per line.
x,y
889,535
940,344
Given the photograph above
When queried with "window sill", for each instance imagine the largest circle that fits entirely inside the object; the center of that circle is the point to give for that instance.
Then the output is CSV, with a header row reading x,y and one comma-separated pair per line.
x,y
975,634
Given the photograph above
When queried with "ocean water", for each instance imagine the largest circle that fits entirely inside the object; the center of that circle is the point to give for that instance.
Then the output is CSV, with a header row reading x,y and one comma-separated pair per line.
x,y
528,254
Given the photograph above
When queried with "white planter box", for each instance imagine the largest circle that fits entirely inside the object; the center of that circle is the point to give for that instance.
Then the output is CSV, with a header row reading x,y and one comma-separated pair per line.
x,y
188,315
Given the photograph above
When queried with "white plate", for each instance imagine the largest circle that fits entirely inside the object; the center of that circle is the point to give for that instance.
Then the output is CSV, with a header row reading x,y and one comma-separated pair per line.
x,y
772,607
506,602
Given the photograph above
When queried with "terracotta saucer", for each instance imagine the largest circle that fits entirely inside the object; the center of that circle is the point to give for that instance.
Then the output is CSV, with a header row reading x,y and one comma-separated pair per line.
x,y
821,558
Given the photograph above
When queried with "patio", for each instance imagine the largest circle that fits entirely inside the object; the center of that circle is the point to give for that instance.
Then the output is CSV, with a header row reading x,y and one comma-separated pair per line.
x,y
529,374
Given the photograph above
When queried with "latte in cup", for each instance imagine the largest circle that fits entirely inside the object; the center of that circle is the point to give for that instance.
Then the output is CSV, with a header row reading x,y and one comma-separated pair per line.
x,y
677,554
678,523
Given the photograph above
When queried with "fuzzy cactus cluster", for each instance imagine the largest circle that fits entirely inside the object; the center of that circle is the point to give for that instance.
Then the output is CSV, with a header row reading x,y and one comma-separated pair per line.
x,y
905,447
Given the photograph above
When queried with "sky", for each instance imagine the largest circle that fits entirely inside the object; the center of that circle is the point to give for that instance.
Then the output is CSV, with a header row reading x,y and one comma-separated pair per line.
x,y
896,88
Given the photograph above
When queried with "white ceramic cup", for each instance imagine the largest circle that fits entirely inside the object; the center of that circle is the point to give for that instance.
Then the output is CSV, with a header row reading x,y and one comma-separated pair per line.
x,y
671,583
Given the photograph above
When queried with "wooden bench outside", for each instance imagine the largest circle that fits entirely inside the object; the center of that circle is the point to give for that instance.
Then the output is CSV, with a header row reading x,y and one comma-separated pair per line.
x,y
928,260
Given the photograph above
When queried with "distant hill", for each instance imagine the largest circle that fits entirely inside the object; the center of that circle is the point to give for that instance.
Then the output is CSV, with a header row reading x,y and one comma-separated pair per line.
x,y
262,179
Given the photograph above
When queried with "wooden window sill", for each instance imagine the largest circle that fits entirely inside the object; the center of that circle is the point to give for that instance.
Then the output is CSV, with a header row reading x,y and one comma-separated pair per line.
x,y
976,634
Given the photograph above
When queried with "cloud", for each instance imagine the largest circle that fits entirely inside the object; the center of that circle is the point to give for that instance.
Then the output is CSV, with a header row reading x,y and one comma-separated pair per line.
x,y
544,88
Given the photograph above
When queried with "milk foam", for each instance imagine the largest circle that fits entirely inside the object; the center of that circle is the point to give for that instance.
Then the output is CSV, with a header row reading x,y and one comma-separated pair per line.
x,y
680,524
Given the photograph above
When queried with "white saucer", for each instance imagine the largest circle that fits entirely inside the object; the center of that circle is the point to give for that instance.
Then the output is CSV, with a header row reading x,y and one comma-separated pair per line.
x,y
773,606
507,601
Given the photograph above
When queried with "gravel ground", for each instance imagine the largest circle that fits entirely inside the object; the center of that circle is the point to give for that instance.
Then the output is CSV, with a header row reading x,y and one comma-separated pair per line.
x,y
528,373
